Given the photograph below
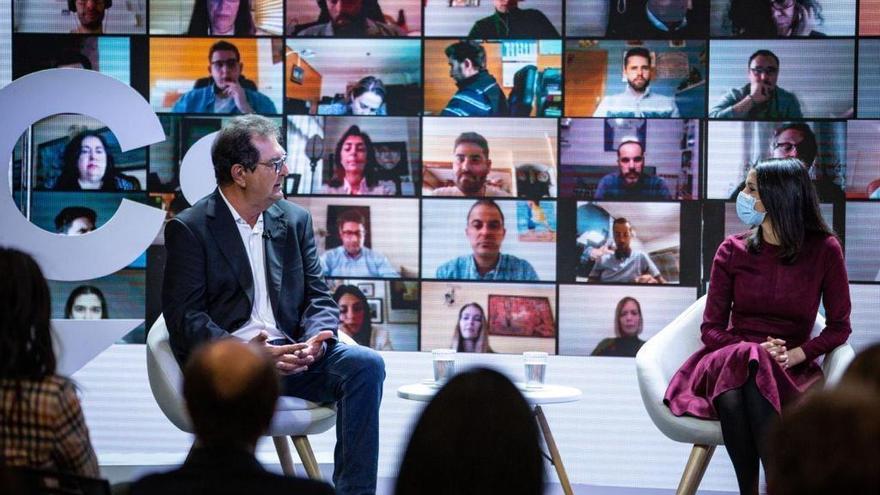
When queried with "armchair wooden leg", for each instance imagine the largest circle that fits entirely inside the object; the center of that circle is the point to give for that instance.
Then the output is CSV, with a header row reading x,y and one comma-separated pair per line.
x,y
304,449
695,469
284,455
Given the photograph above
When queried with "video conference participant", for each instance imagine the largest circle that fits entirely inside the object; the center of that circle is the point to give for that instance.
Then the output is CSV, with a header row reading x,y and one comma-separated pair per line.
x,y
75,220
88,164
659,19
627,328
797,140
230,390
356,170
758,356
631,182
510,21
352,258
623,264
221,18
485,232
86,302
761,98
637,100
479,94
41,422
367,97
471,166
471,330
89,15
226,92
771,18
217,278
349,18
354,319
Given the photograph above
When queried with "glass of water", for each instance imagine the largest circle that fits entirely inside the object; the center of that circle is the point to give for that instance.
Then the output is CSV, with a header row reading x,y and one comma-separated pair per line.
x,y
444,365
536,368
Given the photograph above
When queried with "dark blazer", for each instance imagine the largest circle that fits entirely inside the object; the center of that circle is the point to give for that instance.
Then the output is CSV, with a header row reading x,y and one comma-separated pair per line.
x,y
214,471
208,290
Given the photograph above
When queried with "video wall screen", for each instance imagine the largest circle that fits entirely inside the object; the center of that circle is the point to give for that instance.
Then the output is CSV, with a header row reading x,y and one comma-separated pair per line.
x,y
493,176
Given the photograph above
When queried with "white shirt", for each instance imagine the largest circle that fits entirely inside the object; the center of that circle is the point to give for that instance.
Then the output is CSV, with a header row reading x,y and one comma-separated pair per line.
x,y
262,317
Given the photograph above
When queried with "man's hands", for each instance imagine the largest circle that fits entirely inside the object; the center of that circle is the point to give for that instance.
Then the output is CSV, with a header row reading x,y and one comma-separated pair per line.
x,y
786,358
293,358
236,92
760,92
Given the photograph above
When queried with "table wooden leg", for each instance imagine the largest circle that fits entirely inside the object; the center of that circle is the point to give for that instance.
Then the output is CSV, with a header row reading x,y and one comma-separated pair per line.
x,y
555,459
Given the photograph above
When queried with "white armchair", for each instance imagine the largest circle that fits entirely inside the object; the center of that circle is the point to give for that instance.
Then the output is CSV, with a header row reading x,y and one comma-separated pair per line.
x,y
659,359
294,417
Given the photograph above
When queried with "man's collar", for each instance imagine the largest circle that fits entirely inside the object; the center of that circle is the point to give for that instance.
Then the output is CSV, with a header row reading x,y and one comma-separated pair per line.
x,y
633,93
258,227
353,258
662,26
469,80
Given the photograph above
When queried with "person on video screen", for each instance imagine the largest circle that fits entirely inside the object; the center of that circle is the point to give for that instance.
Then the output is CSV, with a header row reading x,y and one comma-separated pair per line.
x,y
354,319
367,97
71,59
479,94
797,140
510,21
485,231
226,91
221,18
89,15
623,264
471,330
356,170
659,19
637,100
86,302
761,98
471,166
352,19
772,18
352,258
631,182
627,328
75,220
88,164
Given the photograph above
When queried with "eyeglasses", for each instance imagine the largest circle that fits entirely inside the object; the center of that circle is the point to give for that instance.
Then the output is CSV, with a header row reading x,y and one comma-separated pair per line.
x,y
767,71
277,163
230,63
781,4
786,147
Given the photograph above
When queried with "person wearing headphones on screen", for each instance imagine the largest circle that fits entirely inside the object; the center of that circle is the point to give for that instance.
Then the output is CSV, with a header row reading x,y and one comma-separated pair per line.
x,y
761,98
510,21
89,15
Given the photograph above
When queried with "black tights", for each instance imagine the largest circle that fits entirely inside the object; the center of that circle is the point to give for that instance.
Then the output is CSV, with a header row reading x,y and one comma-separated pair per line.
x,y
745,415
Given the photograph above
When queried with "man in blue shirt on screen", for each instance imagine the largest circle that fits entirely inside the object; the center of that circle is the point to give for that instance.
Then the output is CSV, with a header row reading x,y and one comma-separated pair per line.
x,y
352,258
631,182
761,98
226,92
485,231
623,264
637,100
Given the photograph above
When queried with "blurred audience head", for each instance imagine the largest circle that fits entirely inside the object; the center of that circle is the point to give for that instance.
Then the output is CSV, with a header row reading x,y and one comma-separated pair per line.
x,y
827,444
25,309
476,436
230,389
865,370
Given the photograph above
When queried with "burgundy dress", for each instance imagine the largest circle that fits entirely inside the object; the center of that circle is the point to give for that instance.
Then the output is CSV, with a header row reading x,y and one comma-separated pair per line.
x,y
760,296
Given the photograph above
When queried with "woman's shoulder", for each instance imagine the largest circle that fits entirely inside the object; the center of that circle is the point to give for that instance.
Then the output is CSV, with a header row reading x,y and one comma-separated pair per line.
x,y
57,388
825,244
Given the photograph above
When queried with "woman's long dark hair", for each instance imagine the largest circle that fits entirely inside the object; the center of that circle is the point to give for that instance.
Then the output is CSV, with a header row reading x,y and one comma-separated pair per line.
x,y
369,9
792,205
754,18
25,340
365,335
69,179
199,22
371,167
81,290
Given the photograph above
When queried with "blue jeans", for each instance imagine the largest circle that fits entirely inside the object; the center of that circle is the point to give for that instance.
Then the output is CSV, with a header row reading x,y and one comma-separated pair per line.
x,y
352,377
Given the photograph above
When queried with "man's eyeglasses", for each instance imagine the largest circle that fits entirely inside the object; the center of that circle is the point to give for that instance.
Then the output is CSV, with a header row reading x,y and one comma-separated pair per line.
x,y
786,147
782,4
768,71
277,163
230,63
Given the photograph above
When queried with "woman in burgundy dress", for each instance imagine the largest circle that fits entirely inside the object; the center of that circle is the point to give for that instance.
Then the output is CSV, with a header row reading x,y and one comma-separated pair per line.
x,y
764,292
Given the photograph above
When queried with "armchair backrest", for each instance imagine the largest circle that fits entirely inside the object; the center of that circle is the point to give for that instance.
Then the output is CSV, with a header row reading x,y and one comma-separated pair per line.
x,y
522,96
166,378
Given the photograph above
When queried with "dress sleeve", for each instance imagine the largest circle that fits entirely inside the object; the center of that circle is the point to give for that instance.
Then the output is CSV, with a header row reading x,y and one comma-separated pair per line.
x,y
74,452
835,297
716,316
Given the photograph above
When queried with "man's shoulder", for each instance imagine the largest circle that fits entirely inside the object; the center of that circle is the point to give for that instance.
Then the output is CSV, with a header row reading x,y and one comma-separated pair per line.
x,y
291,210
317,30
454,266
446,191
496,192
187,481
375,28
189,101
609,179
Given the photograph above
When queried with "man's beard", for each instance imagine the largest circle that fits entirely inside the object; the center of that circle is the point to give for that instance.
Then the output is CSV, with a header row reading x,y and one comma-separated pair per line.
x,y
643,88
622,253
352,26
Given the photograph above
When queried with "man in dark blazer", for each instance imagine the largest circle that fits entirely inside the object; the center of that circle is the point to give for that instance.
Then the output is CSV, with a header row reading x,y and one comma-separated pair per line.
x,y
230,407
242,262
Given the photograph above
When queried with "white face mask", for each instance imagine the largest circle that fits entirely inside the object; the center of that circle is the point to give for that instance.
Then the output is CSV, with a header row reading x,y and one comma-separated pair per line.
x,y
745,210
